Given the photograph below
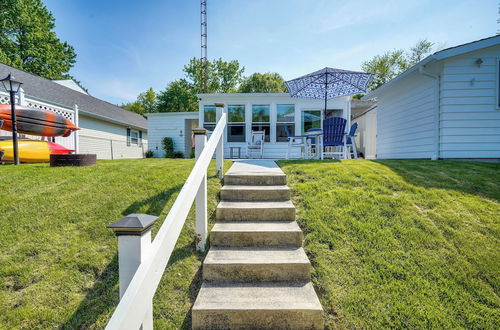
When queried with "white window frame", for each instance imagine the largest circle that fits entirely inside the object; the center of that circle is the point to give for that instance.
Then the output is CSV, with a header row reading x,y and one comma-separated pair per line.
x,y
276,122
132,132
237,123
261,123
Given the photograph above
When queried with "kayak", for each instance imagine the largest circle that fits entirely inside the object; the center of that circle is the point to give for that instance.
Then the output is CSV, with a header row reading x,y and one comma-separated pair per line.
x,y
36,122
32,151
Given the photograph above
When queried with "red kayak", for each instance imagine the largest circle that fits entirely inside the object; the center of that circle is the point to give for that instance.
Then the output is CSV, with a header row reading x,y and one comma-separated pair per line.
x,y
36,122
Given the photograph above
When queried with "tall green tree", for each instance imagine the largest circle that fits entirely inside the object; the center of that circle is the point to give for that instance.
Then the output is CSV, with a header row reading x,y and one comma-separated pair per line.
x,y
270,82
179,96
392,63
147,102
223,76
28,42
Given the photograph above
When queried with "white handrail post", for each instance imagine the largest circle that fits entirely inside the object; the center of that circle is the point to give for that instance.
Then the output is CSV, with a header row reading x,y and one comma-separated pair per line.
x,y
219,151
200,139
134,242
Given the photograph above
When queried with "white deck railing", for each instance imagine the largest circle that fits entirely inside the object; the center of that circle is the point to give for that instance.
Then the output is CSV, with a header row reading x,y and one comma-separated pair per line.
x,y
134,308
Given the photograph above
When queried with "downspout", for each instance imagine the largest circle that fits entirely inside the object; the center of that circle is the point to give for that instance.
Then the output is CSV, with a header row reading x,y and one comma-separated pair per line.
x,y
437,116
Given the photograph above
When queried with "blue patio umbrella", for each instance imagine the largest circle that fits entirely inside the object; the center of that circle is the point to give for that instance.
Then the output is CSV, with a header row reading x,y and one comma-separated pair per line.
x,y
329,83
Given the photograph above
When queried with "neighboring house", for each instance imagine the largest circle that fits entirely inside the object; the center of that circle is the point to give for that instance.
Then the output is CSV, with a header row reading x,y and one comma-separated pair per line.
x,y
105,129
447,106
270,112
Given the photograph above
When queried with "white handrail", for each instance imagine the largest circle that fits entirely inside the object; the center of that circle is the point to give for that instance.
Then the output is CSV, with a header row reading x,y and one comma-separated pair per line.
x,y
132,308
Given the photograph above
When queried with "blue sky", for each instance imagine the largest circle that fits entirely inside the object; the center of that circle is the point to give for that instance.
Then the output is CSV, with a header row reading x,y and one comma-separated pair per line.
x,y
125,47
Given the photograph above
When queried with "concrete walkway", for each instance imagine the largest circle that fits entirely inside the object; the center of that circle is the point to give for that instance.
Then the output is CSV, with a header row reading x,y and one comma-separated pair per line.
x,y
256,273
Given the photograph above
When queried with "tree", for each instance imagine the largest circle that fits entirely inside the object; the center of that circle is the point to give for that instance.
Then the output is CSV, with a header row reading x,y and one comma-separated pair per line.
x,y
179,96
28,42
223,77
146,103
270,82
390,64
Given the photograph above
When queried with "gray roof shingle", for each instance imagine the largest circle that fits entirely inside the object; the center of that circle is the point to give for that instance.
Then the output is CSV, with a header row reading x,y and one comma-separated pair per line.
x,y
47,90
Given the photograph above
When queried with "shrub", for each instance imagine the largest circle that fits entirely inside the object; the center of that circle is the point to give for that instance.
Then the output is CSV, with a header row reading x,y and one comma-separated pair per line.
x,y
192,155
168,147
178,154
149,154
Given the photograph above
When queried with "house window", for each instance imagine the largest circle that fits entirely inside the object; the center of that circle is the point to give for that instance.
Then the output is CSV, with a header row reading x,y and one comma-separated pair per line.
x,y
236,123
209,117
134,138
260,119
285,122
310,119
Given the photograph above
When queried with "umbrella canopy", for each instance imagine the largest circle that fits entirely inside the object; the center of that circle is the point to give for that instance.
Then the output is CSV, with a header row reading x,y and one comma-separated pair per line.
x,y
329,83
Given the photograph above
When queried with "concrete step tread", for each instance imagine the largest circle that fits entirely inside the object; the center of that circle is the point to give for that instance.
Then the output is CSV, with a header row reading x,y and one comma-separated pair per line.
x,y
256,256
257,296
249,187
256,226
255,204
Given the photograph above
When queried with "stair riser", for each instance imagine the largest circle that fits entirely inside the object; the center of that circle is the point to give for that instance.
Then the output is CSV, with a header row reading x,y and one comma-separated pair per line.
x,y
244,239
254,214
256,272
257,319
255,195
255,180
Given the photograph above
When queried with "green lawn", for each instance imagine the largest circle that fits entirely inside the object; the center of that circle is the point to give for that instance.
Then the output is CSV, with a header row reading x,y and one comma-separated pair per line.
x,y
394,243
403,244
58,261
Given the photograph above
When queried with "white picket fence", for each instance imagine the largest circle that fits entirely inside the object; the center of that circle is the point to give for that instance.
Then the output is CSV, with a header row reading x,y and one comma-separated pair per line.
x,y
134,310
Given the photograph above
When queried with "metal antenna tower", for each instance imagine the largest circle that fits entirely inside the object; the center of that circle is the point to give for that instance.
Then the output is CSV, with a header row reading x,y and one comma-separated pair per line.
x,y
204,58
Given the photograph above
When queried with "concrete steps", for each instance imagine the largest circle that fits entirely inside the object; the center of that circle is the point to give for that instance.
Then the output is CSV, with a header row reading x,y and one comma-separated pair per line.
x,y
278,305
256,210
254,193
256,264
256,275
256,233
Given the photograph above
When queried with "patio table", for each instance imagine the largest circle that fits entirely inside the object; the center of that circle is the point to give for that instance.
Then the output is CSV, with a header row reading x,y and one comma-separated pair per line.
x,y
318,135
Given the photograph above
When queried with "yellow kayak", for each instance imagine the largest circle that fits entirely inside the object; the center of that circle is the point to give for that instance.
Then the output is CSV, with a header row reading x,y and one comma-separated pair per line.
x,y
32,151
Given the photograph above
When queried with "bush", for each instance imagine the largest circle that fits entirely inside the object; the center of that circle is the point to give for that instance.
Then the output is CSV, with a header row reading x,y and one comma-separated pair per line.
x,y
178,154
168,147
192,155
149,154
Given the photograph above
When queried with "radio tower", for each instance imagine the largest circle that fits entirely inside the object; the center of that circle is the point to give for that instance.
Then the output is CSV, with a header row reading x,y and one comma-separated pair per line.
x,y
204,59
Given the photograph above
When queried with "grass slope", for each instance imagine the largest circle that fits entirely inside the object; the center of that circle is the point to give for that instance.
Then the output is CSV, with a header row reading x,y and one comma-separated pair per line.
x,y
404,244
58,261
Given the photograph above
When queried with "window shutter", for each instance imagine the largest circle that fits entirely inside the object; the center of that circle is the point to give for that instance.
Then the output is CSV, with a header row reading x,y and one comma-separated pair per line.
x,y
128,137
140,139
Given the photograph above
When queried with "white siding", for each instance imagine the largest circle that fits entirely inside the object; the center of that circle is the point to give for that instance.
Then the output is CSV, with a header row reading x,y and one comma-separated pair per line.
x,y
107,140
366,135
405,119
470,118
170,124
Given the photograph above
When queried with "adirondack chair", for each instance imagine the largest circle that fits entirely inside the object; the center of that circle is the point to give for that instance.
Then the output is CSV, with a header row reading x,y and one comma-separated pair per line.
x,y
256,144
351,143
296,142
334,134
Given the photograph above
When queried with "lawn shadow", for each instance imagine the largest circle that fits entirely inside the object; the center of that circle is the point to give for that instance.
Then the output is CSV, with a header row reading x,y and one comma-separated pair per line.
x,y
474,178
155,204
100,299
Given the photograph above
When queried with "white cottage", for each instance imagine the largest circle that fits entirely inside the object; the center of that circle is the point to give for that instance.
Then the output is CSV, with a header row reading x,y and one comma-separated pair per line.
x,y
447,106
269,112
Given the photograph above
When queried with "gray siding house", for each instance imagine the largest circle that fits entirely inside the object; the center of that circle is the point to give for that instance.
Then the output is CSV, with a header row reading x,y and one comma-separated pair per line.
x,y
105,129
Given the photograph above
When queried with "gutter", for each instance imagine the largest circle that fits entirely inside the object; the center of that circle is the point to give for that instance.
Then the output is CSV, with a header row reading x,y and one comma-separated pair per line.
x,y
437,115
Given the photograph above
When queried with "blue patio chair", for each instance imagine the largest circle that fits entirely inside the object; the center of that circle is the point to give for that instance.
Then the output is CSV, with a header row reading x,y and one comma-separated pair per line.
x,y
351,143
334,135
295,142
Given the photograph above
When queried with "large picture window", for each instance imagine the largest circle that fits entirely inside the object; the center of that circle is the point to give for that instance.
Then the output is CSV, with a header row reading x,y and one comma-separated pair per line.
x,y
236,123
285,122
310,119
209,117
260,119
